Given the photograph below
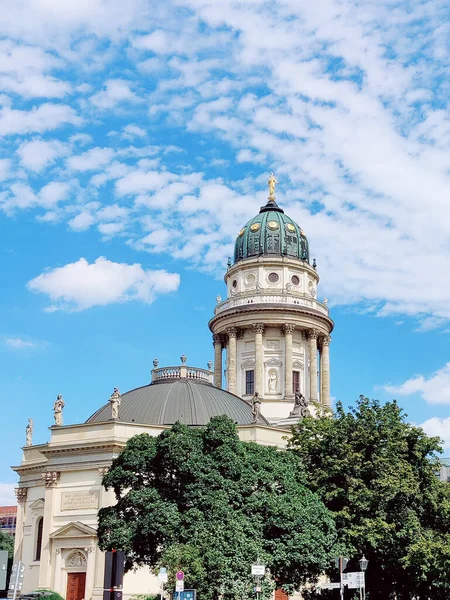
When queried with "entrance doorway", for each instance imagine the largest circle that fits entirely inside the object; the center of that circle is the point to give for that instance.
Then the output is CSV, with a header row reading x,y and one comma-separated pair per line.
x,y
76,584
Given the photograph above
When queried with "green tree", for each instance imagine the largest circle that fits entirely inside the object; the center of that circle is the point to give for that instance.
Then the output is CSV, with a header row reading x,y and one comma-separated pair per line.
x,y
201,500
378,475
7,543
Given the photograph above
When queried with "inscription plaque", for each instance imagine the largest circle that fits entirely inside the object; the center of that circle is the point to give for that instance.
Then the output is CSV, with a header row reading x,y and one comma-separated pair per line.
x,y
79,500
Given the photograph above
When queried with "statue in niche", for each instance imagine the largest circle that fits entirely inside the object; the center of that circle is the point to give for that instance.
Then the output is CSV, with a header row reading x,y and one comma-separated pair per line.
x,y
256,408
273,381
29,433
300,405
57,410
116,400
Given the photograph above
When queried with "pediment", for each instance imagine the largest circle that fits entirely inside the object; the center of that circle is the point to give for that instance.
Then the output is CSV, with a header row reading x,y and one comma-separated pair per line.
x,y
248,364
74,529
38,504
273,362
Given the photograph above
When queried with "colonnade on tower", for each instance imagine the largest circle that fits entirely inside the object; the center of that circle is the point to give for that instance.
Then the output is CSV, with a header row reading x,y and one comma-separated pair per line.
x,y
275,331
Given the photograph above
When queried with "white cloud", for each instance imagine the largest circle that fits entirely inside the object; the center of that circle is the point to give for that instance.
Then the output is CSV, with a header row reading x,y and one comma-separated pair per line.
x,y
82,221
24,345
438,427
435,390
37,154
91,160
42,118
132,131
5,166
7,495
117,91
80,285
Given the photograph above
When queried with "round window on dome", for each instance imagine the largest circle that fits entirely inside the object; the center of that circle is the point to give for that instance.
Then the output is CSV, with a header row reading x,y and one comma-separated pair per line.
x,y
273,225
250,279
290,227
242,231
295,279
255,227
273,277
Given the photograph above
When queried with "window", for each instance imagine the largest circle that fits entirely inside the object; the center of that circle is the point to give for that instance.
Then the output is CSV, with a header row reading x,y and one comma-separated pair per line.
x,y
295,381
37,555
273,277
295,280
250,382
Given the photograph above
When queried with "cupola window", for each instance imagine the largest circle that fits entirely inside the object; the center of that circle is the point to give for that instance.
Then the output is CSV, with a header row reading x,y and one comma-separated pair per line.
x,y
273,277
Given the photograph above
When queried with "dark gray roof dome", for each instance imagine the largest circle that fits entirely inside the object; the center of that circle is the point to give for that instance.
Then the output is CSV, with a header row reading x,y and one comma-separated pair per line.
x,y
193,402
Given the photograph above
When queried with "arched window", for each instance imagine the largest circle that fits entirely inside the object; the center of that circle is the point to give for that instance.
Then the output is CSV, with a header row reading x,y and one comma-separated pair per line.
x,y
39,526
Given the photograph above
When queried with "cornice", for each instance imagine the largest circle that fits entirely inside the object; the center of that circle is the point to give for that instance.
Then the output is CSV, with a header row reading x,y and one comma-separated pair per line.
x,y
272,309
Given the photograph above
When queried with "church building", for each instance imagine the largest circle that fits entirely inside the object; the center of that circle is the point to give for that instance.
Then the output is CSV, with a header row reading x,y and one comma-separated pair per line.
x,y
276,336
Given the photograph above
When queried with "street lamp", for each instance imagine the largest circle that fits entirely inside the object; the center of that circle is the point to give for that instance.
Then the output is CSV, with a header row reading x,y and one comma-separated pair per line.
x,y
363,562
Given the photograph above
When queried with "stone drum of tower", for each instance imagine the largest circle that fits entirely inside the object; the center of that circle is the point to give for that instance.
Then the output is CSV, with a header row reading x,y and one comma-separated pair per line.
x,y
275,331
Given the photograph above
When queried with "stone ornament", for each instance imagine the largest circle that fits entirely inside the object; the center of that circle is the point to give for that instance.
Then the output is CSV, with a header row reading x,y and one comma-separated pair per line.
x,y
313,334
288,328
232,332
155,363
326,340
258,327
57,410
116,401
21,493
256,408
76,559
29,433
273,381
209,365
183,359
50,478
300,405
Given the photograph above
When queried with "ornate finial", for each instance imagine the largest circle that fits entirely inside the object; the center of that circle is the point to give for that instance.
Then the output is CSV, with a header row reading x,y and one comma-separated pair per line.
x,y
183,359
272,183
155,363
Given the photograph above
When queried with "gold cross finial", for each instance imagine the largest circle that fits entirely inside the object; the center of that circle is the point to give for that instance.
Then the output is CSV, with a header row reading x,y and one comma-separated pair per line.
x,y
272,183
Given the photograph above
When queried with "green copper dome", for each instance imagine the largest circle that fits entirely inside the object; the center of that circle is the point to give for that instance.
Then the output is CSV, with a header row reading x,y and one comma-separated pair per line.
x,y
271,233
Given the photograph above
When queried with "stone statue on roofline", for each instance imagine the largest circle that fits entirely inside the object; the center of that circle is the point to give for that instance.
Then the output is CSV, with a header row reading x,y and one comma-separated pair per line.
x,y
300,405
256,408
57,410
116,401
29,433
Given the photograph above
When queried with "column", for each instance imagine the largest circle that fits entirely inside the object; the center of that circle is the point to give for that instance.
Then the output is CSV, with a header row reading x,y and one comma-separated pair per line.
x,y
288,330
258,328
217,343
50,479
312,335
21,495
325,372
231,368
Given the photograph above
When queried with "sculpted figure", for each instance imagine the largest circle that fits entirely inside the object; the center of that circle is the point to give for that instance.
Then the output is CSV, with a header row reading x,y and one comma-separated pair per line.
x,y
273,381
57,410
272,183
29,433
256,404
300,405
116,400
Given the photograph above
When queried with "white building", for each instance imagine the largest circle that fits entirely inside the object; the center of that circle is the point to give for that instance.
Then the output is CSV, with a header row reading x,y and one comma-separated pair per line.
x,y
276,336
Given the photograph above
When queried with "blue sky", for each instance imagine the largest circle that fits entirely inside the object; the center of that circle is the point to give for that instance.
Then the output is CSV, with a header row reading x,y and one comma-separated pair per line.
x,y
136,140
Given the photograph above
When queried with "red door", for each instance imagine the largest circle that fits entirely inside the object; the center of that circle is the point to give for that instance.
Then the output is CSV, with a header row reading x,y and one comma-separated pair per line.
x,y
76,584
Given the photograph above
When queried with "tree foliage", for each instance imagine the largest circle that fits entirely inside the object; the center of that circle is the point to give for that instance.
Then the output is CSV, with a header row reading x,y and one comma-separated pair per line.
x,y
378,475
201,500
7,543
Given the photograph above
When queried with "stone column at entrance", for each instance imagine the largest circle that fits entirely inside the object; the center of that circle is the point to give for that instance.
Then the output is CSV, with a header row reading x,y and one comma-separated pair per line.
x,y
325,372
312,334
217,343
258,328
231,368
288,330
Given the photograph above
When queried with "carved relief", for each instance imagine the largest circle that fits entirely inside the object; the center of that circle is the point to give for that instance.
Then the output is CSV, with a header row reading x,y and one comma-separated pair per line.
x,y
272,383
313,334
232,332
21,494
50,478
258,327
76,559
288,328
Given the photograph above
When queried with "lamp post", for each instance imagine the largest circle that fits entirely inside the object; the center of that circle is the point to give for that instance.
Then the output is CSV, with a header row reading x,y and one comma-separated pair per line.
x,y
363,562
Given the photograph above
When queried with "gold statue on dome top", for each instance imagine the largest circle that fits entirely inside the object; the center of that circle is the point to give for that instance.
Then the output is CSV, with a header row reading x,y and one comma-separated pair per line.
x,y
272,183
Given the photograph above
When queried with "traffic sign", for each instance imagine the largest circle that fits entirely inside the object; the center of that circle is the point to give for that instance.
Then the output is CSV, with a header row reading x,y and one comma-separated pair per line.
x,y
330,586
180,575
258,570
355,580
162,575
179,585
